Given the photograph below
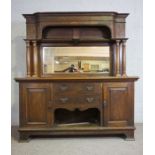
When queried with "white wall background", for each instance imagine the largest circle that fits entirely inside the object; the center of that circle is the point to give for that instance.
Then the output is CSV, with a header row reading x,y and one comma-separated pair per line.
x,y
133,32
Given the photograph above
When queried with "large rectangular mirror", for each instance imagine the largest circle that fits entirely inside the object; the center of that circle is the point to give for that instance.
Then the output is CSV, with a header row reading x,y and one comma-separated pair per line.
x,y
76,59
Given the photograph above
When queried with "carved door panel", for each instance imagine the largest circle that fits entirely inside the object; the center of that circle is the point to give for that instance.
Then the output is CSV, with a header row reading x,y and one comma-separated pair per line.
x,y
34,104
118,104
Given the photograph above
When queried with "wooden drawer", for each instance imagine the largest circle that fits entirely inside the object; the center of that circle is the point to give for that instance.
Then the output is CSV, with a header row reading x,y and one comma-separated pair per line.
x,y
59,88
76,88
89,88
77,99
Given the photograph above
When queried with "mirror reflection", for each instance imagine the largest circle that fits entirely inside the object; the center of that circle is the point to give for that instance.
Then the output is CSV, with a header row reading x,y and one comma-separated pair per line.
x,y
76,60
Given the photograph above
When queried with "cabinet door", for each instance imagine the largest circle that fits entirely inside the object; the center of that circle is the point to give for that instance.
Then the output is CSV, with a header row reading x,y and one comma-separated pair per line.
x,y
118,104
34,104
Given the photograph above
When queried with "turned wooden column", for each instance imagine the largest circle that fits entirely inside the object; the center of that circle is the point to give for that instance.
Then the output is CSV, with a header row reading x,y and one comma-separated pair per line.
x,y
124,58
28,58
35,59
118,58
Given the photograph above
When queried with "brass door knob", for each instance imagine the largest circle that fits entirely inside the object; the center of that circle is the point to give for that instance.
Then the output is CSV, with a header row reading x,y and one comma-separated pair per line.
x,y
104,103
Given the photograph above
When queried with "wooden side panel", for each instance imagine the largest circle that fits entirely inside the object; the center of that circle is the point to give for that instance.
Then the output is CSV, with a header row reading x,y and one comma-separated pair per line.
x,y
34,104
31,31
120,30
119,101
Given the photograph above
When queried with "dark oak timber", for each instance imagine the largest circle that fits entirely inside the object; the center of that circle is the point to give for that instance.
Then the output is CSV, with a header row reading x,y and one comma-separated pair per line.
x,y
124,58
28,58
76,104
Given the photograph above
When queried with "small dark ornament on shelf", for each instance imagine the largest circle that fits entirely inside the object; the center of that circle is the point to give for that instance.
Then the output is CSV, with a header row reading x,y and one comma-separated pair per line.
x,y
71,68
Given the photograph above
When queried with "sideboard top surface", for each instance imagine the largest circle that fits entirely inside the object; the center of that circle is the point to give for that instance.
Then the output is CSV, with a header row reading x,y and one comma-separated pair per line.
x,y
77,13
89,78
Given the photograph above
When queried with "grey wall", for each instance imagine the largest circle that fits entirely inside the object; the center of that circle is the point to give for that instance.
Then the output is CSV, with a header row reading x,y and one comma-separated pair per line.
x,y
133,31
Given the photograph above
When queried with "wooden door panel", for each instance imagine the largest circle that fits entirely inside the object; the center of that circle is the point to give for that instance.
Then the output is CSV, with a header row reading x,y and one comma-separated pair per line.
x,y
118,110
120,105
34,105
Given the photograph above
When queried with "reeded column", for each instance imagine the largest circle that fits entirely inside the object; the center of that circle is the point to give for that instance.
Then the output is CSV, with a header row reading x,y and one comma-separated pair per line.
x,y
28,58
124,58
35,59
118,58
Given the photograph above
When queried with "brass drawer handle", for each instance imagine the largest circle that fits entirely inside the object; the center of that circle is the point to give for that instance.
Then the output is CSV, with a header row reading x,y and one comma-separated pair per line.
x,y
64,99
90,99
90,88
63,88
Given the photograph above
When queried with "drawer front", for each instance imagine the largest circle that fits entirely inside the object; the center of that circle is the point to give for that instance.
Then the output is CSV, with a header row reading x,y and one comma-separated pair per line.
x,y
89,88
76,88
79,99
62,88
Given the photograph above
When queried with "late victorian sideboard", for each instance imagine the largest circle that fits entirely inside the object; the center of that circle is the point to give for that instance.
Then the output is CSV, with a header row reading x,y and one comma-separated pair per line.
x,y
76,82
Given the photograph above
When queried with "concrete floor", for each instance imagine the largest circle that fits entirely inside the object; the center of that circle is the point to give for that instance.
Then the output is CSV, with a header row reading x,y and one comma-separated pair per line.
x,y
79,146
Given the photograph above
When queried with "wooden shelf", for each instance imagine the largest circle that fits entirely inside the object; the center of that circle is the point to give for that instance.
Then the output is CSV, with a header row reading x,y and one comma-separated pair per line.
x,y
73,125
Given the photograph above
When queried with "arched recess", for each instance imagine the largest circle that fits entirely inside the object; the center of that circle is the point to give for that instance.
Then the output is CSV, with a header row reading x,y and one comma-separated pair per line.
x,y
78,32
90,115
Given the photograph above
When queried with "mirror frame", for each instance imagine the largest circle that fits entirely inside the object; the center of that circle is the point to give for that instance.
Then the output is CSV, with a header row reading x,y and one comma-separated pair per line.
x,y
112,62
